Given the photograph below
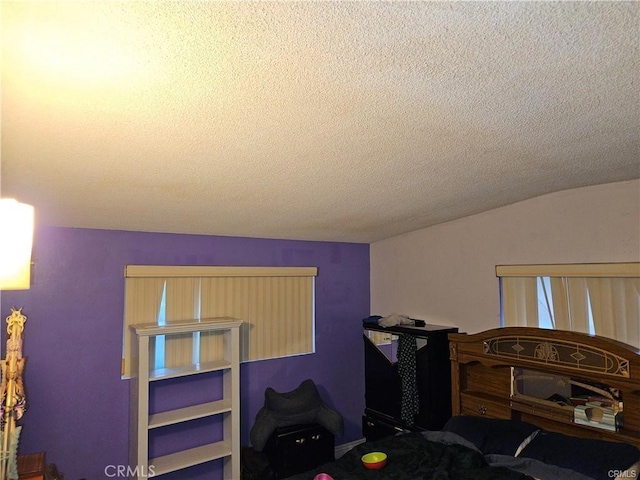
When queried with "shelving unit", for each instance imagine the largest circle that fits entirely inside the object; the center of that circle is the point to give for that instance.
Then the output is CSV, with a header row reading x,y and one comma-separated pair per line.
x,y
228,406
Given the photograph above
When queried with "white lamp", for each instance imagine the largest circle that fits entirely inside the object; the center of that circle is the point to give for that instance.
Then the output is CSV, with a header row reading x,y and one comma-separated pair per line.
x,y
16,221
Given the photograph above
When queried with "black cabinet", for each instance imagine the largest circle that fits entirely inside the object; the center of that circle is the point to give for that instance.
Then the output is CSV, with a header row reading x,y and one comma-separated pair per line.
x,y
298,448
383,385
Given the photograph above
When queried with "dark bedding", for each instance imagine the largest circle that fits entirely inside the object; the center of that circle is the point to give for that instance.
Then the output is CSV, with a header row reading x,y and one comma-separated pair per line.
x,y
412,457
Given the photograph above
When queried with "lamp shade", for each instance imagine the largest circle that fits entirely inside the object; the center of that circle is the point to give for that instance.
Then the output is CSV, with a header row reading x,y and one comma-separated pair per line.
x,y
16,239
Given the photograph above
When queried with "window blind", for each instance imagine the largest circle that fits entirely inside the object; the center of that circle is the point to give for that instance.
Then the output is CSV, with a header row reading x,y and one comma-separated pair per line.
x,y
275,303
601,299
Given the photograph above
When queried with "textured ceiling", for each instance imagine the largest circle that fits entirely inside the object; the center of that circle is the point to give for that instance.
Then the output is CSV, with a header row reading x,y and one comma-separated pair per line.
x,y
345,121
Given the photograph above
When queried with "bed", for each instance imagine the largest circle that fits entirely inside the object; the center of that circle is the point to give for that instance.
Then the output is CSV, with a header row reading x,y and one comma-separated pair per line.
x,y
527,403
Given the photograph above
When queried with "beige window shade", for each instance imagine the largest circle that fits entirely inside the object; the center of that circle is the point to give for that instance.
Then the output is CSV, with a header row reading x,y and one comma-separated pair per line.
x,y
182,303
272,309
520,301
141,305
602,299
276,305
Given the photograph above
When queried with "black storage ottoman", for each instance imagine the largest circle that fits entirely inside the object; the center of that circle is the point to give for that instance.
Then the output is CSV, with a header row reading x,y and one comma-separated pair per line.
x,y
298,448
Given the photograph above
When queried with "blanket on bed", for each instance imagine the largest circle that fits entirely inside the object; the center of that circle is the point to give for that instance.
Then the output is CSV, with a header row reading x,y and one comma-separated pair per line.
x,y
413,457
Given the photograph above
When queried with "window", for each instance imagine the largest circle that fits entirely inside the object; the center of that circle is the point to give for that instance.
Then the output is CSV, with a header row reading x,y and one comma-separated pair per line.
x,y
275,303
601,299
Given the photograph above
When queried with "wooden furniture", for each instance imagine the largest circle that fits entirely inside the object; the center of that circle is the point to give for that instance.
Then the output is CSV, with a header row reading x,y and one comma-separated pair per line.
x,y
483,365
32,466
298,448
383,386
228,406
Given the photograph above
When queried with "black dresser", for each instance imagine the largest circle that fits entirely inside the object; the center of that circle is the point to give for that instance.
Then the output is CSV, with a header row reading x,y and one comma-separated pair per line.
x,y
383,384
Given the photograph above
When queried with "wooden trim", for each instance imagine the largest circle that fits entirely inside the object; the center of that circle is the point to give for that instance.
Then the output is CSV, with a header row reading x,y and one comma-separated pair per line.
x,y
169,271
577,356
604,343
611,270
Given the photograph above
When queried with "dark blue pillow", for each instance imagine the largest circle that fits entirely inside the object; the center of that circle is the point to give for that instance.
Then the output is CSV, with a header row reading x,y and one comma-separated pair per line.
x,y
590,457
491,435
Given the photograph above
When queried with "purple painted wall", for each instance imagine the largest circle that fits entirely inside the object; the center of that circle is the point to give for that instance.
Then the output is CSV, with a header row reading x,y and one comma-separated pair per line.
x,y
78,407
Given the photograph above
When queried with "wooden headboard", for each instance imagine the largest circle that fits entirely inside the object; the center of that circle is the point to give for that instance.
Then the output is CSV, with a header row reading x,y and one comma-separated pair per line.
x,y
483,365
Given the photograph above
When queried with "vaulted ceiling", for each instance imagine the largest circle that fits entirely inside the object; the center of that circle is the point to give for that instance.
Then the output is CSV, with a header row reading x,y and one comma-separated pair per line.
x,y
341,121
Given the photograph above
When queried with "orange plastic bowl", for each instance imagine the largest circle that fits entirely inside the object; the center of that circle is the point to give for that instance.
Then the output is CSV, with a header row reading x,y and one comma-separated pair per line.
x,y
374,460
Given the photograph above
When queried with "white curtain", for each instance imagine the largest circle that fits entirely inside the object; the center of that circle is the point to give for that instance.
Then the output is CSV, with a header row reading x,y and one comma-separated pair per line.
x,y
520,301
578,304
614,302
277,313
584,298
222,297
183,304
559,294
142,305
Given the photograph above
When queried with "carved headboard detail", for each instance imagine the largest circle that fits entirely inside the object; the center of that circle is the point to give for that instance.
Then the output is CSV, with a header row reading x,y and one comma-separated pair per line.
x,y
482,376
574,355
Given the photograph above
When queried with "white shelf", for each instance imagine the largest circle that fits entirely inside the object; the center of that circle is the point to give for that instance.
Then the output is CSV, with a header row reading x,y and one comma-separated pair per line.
x,y
180,415
191,457
170,328
194,369
228,406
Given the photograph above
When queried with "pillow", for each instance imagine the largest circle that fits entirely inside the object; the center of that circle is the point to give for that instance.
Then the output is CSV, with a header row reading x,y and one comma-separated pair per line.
x,y
590,457
534,468
491,435
526,442
632,472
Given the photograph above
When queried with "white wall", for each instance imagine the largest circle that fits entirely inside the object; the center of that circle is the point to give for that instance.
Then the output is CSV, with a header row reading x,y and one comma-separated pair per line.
x,y
445,274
